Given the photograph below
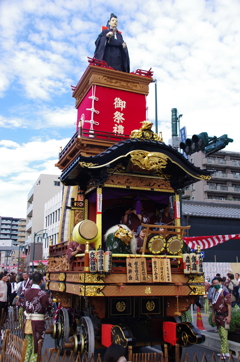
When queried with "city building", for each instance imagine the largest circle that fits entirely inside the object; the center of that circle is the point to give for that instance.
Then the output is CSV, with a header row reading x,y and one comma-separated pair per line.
x,y
43,189
224,186
52,215
12,229
12,236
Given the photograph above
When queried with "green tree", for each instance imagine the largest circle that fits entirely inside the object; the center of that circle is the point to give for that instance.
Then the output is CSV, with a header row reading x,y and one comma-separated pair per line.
x,y
41,268
22,265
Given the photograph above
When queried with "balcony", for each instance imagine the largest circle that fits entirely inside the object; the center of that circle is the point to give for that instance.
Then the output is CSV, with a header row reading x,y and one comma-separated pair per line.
x,y
187,194
235,163
28,240
30,195
225,176
222,189
209,161
29,210
29,225
219,175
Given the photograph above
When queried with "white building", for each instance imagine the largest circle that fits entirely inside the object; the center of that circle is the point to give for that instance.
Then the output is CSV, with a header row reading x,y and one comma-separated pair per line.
x,y
44,189
52,215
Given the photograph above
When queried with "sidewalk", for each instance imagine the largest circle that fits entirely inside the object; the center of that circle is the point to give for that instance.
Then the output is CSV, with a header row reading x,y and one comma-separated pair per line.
x,y
212,339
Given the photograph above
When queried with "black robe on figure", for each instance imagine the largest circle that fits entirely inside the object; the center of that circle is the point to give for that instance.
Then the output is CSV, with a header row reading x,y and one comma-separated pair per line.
x,y
112,52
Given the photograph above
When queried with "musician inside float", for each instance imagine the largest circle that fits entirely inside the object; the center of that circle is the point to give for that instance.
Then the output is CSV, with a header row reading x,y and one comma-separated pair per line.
x,y
165,217
134,216
140,239
74,248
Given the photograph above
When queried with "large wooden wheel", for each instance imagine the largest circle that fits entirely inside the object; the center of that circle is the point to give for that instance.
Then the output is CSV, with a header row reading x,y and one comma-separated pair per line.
x,y
86,334
63,328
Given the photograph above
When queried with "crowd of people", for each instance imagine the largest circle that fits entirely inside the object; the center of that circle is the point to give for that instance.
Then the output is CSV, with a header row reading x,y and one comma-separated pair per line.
x,y
27,292
222,293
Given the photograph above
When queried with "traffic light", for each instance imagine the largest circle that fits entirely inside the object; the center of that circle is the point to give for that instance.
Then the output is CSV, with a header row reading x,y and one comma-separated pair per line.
x,y
195,144
204,143
217,144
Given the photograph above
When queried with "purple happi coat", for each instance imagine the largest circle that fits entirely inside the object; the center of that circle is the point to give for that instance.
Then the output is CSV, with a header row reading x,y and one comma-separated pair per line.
x,y
26,284
221,308
37,301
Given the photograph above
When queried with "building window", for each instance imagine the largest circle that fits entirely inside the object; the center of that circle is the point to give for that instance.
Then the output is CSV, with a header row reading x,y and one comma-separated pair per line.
x,y
221,161
56,183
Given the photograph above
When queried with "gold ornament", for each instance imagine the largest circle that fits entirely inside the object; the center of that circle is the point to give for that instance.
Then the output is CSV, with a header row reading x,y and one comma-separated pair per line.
x,y
146,133
150,305
197,289
120,306
148,290
61,287
154,161
61,277
94,291
87,165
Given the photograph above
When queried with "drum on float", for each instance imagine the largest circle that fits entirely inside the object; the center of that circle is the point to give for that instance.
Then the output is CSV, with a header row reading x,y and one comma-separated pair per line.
x,y
84,231
156,244
174,244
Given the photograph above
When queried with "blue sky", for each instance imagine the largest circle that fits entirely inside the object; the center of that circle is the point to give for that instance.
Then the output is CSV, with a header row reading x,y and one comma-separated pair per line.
x,y
192,47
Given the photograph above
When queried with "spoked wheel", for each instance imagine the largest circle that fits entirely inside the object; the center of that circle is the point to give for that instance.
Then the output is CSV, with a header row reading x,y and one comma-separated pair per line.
x,y
63,327
86,336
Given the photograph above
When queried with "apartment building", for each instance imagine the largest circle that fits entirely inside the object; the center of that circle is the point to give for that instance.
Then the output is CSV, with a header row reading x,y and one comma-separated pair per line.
x,y
12,235
45,187
12,229
52,215
225,183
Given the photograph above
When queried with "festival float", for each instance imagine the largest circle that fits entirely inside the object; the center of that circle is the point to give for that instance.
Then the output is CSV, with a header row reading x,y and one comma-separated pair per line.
x,y
118,176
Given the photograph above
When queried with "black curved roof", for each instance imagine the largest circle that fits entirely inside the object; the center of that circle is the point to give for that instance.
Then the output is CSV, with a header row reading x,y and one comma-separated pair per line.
x,y
182,173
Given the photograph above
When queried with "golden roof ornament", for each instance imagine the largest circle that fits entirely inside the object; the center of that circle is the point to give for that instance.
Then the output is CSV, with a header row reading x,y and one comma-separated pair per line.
x,y
146,133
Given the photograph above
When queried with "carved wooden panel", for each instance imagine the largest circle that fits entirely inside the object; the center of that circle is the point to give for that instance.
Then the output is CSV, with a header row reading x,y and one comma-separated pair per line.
x,y
74,289
58,264
78,216
75,277
144,290
54,276
141,182
109,279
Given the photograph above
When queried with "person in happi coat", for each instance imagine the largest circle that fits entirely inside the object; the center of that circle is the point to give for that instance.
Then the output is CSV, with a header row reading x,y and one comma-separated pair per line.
x,y
25,284
36,303
73,249
221,314
111,47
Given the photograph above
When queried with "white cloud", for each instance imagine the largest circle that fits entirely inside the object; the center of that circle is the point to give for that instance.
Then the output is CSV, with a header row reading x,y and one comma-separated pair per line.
x,y
8,144
20,167
45,118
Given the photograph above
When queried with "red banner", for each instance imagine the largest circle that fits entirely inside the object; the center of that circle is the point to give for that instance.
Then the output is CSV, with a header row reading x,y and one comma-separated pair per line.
x,y
207,242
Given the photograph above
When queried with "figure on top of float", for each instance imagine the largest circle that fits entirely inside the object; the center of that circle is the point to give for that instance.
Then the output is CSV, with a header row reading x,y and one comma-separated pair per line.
x,y
111,47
